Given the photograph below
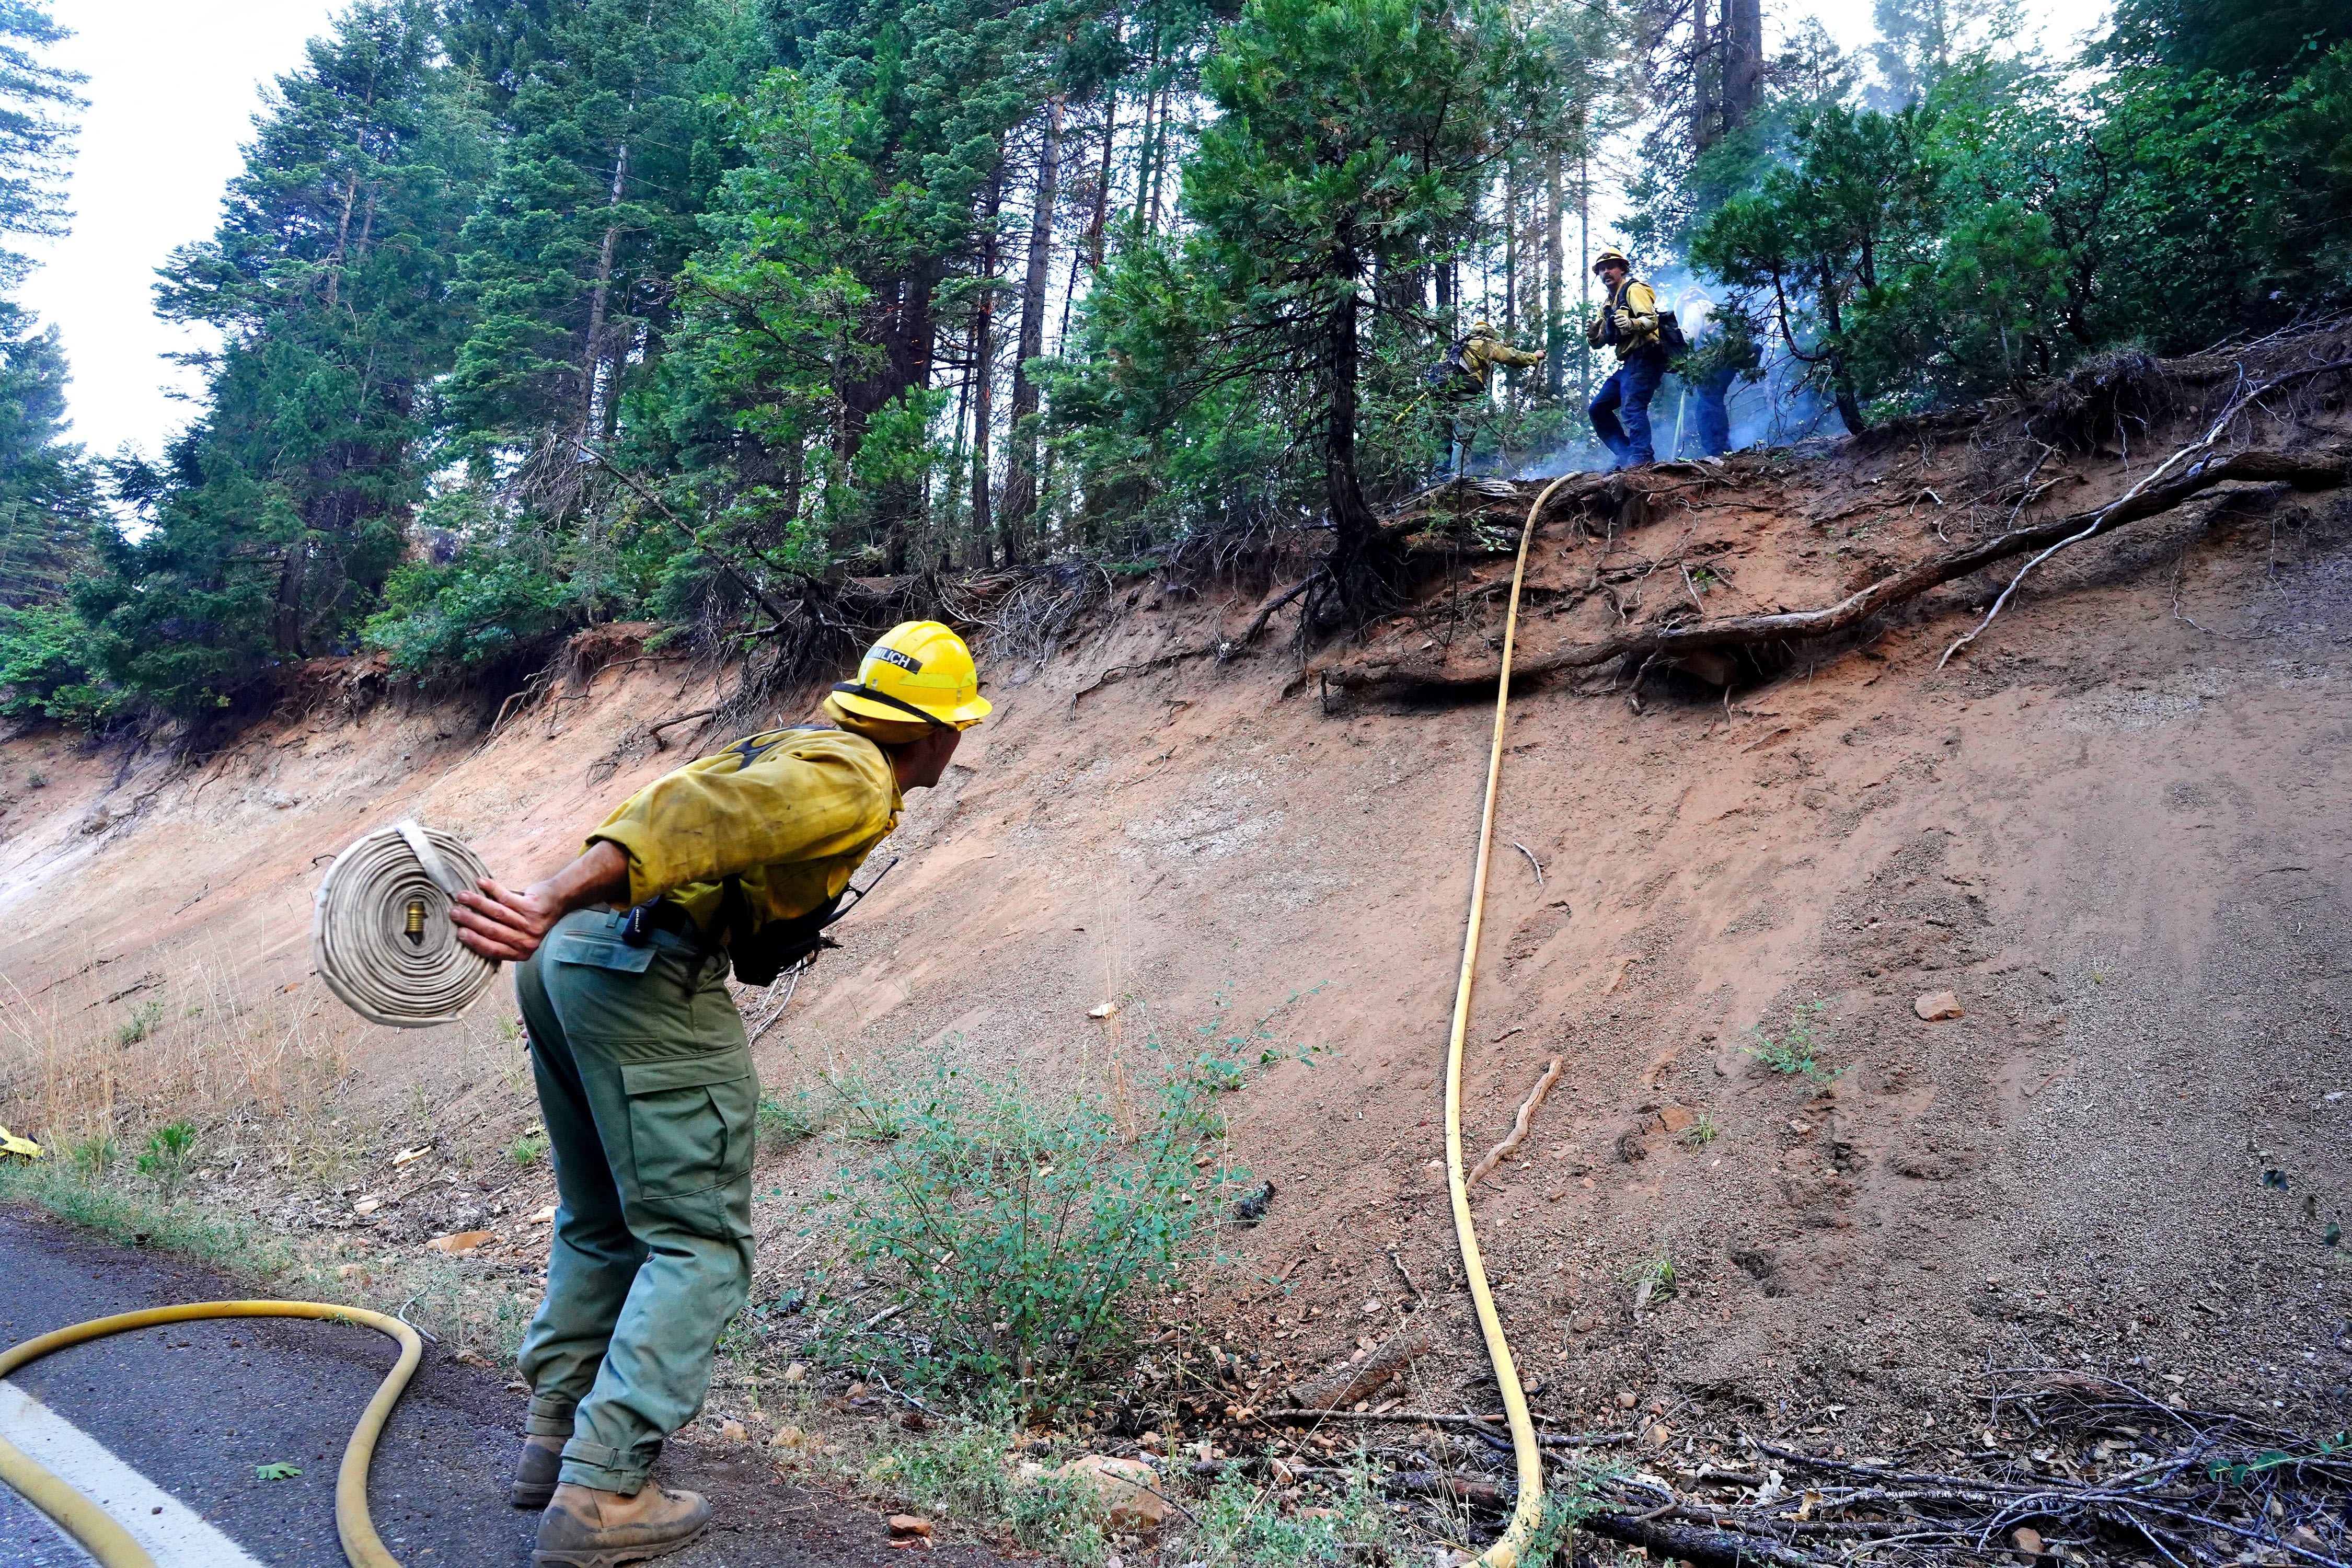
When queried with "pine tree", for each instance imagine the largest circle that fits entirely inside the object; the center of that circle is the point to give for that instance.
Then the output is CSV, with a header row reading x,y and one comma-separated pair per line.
x,y
282,508
608,157
1349,139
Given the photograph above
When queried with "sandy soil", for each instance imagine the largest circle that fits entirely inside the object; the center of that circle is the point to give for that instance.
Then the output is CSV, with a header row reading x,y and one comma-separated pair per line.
x,y
2115,829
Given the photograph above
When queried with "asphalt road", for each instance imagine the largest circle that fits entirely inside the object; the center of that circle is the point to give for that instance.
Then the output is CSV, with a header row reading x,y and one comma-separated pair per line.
x,y
185,1416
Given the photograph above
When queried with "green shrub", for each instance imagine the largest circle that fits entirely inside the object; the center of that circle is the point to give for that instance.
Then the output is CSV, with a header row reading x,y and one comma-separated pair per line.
x,y
1016,1229
476,610
782,1124
140,1024
48,669
526,1150
1793,1053
93,1157
866,1113
171,1151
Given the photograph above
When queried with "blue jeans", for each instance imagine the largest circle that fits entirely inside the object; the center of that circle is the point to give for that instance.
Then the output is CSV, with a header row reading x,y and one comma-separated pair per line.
x,y
1708,394
1630,389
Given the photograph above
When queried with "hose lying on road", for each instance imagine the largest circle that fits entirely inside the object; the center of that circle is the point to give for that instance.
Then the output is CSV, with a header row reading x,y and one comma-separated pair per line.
x,y
1506,1552
110,1543
381,935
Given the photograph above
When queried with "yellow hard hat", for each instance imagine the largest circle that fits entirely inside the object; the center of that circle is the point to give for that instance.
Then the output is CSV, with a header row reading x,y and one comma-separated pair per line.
x,y
917,670
1481,329
1612,254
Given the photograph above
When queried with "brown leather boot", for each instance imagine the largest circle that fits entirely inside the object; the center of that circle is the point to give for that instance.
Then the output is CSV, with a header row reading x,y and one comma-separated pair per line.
x,y
583,1528
535,1468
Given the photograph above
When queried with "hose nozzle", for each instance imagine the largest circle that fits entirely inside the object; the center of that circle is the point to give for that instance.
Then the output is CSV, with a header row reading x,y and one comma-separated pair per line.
x,y
416,932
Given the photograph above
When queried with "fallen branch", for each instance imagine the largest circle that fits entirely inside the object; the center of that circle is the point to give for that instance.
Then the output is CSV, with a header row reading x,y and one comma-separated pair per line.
x,y
1694,1543
2322,470
1527,1116
2213,434
1486,1424
1341,1388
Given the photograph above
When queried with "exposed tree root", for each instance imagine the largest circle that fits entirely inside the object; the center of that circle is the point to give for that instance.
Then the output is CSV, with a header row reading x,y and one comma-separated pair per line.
x,y
2324,469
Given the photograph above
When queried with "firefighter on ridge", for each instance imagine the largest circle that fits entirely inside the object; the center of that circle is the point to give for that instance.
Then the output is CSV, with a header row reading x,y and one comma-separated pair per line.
x,y
1465,374
1629,323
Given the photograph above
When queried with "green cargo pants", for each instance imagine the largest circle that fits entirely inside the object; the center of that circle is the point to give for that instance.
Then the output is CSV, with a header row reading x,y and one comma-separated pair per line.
x,y
647,1085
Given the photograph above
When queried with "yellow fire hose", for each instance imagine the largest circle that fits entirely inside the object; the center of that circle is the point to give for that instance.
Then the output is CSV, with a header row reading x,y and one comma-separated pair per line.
x,y
1506,1552
109,1541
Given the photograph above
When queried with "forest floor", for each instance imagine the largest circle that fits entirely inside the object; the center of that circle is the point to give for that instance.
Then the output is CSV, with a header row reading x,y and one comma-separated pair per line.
x,y
2114,828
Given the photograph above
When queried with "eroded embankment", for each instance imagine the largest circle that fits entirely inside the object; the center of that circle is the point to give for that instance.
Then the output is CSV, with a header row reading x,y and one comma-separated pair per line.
x,y
2115,830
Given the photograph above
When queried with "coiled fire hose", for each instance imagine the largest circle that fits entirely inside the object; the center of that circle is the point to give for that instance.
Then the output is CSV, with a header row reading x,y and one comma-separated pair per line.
x,y
111,1544
1506,1552
382,937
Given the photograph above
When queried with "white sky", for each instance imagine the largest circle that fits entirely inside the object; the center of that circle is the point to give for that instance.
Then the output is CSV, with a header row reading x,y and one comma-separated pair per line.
x,y
173,86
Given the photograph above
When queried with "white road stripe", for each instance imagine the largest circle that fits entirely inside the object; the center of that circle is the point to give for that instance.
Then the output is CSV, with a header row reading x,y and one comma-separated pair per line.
x,y
165,1526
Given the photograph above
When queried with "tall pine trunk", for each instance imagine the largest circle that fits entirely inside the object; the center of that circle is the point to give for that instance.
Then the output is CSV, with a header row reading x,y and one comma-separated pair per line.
x,y
1743,59
286,633
1352,524
1701,128
977,549
1554,366
1102,182
1021,469
589,355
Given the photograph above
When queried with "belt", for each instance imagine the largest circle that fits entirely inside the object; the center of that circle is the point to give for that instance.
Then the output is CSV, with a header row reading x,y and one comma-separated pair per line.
x,y
663,915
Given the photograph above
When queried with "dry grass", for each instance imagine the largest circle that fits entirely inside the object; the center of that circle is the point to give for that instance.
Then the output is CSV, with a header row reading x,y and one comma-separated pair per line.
x,y
86,1056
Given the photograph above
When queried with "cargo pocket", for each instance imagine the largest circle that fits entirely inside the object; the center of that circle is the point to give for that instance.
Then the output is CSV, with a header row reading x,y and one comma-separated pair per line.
x,y
690,1135
595,949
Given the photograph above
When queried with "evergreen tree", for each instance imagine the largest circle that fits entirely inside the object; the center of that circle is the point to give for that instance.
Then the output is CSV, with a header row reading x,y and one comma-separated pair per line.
x,y
283,507
2270,40
1351,138
608,157
48,491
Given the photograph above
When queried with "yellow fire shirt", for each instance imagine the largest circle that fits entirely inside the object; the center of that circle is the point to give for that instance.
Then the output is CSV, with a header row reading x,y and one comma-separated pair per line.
x,y
791,813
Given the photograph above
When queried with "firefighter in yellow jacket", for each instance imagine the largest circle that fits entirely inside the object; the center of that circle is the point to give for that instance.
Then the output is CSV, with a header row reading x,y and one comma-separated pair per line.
x,y
1629,323
1462,380
645,1076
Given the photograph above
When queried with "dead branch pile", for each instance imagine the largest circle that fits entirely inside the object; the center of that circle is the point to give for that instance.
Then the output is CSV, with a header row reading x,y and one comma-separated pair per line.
x,y
2090,1466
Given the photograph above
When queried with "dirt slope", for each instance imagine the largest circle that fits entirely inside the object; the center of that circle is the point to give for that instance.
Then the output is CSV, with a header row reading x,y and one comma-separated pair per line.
x,y
2115,829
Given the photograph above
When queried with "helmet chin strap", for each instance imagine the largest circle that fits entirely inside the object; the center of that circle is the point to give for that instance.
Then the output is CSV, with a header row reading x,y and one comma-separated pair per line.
x,y
858,688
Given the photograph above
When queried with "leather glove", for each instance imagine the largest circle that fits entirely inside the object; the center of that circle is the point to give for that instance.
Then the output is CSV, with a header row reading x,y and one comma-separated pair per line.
x,y
1624,322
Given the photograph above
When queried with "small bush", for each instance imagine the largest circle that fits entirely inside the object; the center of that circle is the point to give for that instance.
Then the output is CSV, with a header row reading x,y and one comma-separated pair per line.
x,y
93,1157
171,1151
782,1124
865,1113
1017,1229
1239,1529
1701,1132
140,1024
479,609
1793,1053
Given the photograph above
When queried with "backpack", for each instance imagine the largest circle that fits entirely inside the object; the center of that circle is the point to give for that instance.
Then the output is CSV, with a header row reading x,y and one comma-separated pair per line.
x,y
1670,335
1453,373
